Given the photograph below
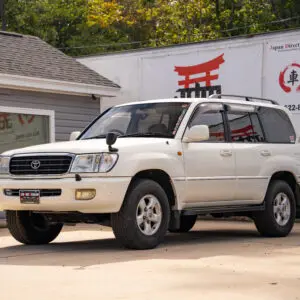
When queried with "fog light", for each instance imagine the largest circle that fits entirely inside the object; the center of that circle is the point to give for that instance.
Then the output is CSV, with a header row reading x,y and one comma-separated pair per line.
x,y
85,194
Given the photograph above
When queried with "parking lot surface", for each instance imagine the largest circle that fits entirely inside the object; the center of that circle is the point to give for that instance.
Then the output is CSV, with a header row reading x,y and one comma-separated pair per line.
x,y
217,260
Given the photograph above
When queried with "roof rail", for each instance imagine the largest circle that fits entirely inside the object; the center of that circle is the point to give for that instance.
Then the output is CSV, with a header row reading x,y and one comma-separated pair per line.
x,y
247,98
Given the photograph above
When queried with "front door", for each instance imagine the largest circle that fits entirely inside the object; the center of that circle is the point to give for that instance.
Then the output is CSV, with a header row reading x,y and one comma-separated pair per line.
x,y
209,165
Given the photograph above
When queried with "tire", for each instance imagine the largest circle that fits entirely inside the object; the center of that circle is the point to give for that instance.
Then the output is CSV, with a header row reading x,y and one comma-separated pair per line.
x,y
266,222
134,211
31,229
186,224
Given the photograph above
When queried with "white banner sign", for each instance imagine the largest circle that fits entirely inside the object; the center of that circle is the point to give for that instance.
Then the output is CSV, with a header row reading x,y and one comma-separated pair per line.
x,y
200,73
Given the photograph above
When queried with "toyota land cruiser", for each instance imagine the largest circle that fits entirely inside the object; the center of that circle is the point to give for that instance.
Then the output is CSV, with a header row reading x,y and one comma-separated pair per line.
x,y
149,167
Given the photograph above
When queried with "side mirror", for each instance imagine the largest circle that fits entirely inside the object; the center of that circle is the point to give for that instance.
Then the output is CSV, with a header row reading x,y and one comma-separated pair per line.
x,y
74,135
110,140
197,133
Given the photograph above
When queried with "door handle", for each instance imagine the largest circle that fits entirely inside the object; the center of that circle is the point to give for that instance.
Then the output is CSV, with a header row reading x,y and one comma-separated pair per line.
x,y
265,153
226,153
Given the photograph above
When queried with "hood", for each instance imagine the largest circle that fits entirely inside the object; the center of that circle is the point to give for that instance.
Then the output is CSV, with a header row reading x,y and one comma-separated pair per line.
x,y
90,146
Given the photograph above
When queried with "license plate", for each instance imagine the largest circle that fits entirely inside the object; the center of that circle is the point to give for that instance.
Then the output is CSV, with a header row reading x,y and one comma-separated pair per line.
x,y
29,196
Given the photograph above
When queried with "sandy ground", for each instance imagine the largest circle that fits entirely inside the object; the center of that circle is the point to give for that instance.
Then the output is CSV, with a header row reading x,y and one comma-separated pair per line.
x,y
217,260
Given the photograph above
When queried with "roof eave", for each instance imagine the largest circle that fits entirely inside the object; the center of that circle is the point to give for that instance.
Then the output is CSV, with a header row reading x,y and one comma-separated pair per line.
x,y
55,86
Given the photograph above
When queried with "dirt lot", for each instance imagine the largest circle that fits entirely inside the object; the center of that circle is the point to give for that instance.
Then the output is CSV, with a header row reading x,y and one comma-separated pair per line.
x,y
217,260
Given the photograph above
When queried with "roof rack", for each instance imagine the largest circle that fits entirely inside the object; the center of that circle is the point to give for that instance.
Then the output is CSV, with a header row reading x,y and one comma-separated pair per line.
x,y
247,98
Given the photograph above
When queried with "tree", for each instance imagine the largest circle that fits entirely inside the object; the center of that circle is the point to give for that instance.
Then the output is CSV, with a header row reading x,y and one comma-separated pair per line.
x,y
164,22
244,17
80,27
54,21
288,10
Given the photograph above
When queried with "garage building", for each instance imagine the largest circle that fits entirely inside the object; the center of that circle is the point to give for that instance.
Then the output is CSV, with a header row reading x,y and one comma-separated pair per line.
x,y
44,94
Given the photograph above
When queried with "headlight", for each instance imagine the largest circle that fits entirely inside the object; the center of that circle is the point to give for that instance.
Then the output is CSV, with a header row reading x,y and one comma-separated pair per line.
x,y
4,164
93,163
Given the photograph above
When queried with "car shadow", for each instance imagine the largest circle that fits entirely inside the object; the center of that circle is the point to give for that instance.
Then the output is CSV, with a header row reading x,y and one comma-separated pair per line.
x,y
193,245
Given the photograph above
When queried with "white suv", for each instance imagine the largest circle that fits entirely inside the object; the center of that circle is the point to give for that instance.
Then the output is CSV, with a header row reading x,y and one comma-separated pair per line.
x,y
149,167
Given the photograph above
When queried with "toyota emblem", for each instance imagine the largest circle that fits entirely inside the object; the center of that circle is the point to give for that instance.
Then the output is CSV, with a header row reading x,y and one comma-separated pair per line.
x,y
35,164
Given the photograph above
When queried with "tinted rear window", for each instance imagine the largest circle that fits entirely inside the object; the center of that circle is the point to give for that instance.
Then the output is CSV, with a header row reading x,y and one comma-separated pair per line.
x,y
276,125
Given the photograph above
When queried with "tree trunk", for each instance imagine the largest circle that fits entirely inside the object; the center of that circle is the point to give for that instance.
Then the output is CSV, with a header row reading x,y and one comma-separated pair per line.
x,y
2,14
218,10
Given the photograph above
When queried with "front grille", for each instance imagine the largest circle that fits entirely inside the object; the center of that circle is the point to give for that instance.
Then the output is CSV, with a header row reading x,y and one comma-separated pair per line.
x,y
40,165
43,192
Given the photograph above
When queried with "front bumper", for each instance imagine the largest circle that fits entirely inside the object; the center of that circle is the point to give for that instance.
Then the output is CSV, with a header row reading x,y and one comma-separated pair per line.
x,y
110,193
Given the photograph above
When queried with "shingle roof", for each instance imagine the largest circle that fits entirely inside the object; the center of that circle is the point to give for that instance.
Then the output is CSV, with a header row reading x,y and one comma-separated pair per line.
x,y
30,56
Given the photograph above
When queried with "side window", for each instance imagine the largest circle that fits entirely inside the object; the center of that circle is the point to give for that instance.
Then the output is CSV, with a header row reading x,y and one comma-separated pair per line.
x,y
277,125
214,120
259,134
245,127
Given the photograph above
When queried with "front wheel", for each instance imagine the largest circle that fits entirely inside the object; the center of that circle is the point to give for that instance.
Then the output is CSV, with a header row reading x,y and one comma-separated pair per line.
x,y
143,219
277,220
31,228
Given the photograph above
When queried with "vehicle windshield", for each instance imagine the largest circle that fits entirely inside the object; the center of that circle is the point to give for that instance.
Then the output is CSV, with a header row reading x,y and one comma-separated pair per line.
x,y
139,120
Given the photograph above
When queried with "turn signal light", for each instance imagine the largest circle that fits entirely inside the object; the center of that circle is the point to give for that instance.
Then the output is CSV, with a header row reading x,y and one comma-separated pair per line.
x,y
85,194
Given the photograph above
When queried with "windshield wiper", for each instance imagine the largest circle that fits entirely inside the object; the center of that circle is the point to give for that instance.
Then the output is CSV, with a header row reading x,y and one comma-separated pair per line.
x,y
147,134
136,134
100,136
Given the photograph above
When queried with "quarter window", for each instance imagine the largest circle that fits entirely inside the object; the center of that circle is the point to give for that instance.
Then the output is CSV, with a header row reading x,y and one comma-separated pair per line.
x,y
277,125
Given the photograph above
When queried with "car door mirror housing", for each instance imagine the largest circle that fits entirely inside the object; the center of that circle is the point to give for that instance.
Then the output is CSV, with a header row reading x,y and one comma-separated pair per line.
x,y
197,133
74,135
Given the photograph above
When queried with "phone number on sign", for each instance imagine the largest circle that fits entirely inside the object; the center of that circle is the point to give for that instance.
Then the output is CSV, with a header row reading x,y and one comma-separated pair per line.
x,y
293,107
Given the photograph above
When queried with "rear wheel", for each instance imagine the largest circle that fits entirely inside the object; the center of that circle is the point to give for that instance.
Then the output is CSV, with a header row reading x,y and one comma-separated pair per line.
x,y
143,219
31,228
277,220
186,224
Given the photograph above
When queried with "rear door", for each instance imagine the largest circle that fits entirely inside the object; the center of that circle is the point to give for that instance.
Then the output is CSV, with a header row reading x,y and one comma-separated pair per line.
x,y
251,152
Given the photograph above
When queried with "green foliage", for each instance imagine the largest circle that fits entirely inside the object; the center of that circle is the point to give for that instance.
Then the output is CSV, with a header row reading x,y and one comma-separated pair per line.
x,y
81,27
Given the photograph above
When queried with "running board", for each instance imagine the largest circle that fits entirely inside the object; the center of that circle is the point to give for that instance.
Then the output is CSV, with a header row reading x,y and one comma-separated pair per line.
x,y
222,209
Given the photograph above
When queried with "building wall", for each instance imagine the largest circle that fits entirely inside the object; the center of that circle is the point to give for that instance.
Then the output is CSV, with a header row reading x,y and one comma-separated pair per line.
x,y
72,113
252,66
121,69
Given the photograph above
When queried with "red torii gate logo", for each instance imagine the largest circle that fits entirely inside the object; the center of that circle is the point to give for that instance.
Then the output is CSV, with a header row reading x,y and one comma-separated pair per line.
x,y
204,68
